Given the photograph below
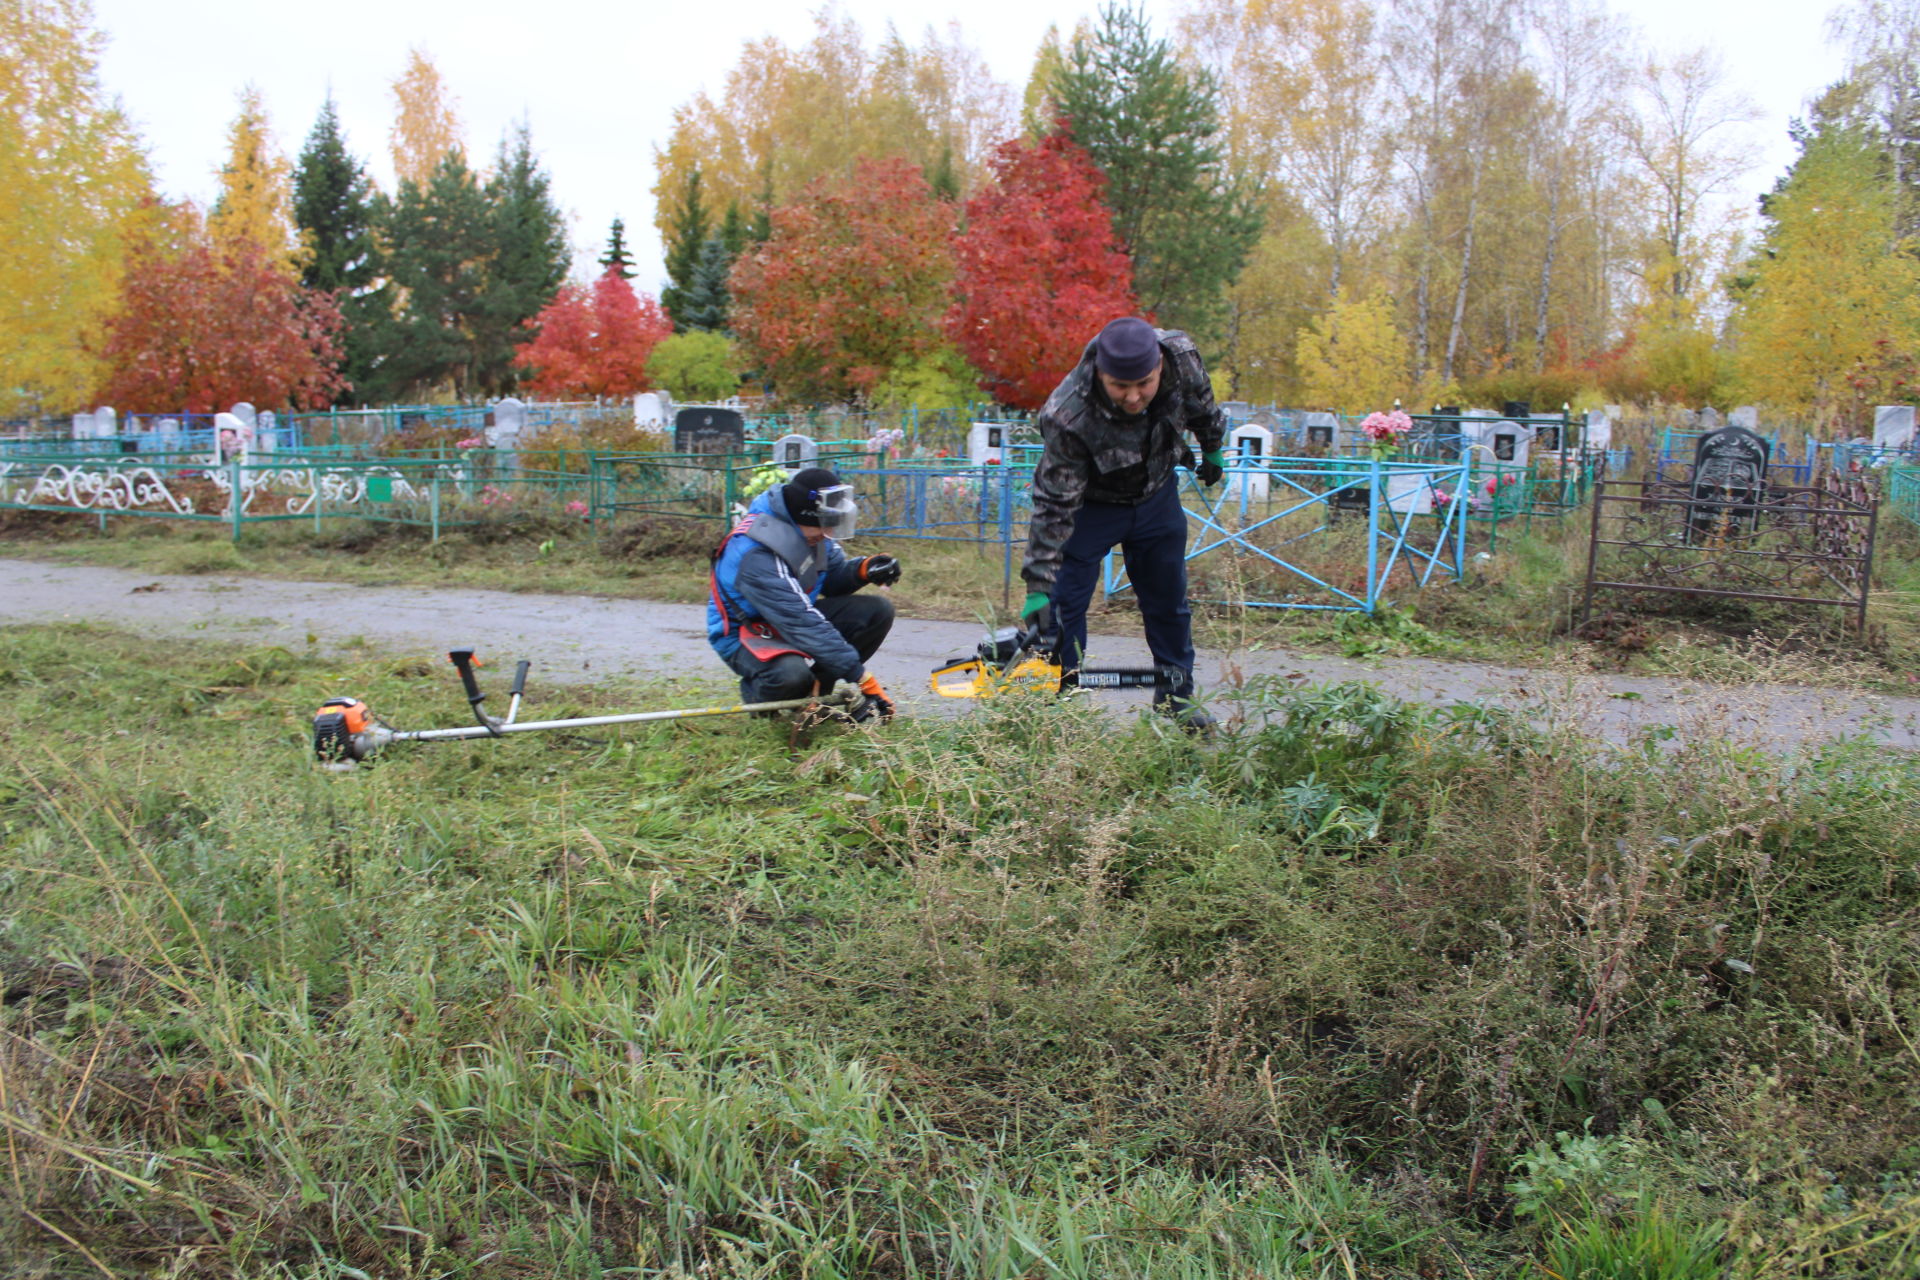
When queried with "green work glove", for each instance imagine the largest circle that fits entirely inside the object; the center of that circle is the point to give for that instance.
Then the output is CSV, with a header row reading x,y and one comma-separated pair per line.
x,y
1213,465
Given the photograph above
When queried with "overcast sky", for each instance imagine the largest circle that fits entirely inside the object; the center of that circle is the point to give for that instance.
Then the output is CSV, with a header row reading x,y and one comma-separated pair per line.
x,y
598,79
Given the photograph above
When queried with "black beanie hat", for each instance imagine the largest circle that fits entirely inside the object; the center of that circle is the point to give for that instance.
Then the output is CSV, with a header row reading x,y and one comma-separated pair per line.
x,y
1127,349
803,493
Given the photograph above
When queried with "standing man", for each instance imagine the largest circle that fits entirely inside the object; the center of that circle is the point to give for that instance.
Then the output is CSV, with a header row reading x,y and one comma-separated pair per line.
x,y
1113,432
781,608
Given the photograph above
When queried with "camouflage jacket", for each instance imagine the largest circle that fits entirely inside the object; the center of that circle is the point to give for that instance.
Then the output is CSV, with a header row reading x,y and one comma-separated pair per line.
x,y
1092,455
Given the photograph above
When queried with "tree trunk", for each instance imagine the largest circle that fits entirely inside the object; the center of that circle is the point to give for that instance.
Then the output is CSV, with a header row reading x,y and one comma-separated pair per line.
x,y
1466,271
1546,279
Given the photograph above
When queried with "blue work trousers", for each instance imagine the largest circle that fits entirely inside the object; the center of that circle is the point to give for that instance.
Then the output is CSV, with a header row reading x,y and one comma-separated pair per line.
x,y
1153,539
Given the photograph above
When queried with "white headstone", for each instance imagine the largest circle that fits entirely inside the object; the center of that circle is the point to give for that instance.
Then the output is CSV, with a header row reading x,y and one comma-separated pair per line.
x,y
1614,412
1320,430
1508,441
105,425
266,434
795,451
1246,447
1745,415
647,411
1599,432
232,437
1893,426
83,426
167,431
245,412
509,418
986,444
1410,493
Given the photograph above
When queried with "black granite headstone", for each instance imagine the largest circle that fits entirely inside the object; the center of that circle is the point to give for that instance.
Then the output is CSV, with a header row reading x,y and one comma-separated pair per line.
x,y
1518,409
1728,483
705,430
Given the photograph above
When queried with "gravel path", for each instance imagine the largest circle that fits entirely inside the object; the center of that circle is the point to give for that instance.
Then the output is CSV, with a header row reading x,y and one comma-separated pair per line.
x,y
588,637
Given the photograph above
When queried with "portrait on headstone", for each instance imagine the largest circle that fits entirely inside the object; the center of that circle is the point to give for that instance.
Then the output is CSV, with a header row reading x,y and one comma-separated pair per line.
x,y
1728,483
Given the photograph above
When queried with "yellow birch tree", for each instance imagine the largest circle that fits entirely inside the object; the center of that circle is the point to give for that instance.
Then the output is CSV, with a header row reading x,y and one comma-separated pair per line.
x,y
426,124
73,182
255,204
1352,356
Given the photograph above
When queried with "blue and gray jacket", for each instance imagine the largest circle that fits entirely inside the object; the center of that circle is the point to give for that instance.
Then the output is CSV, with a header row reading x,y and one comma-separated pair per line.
x,y
764,572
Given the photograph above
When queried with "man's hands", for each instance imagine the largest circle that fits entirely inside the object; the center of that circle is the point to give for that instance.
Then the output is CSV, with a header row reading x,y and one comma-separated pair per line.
x,y
876,704
1037,619
1213,465
881,571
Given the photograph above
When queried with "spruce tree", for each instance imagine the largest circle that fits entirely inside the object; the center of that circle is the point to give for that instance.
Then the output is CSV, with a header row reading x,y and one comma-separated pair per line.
x,y
333,205
617,257
1151,124
442,242
688,234
945,182
734,231
529,258
705,301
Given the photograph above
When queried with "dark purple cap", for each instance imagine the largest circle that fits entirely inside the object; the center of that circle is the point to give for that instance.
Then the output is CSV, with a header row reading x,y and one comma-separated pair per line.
x,y
1127,349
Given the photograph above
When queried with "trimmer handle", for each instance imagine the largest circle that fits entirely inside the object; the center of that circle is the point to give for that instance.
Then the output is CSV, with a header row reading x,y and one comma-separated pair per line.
x,y
520,678
465,662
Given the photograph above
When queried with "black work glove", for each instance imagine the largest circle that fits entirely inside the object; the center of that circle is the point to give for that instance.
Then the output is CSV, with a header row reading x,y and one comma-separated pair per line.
x,y
1043,632
1213,465
881,571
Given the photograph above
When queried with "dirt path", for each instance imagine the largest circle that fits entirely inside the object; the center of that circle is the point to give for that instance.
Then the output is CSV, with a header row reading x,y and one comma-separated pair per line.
x,y
587,637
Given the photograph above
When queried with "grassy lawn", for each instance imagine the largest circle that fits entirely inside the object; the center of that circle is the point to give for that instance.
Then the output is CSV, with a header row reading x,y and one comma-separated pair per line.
x,y
1363,990
1519,605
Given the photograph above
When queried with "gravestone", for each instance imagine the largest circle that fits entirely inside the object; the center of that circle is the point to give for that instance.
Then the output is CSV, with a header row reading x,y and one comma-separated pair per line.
x,y
83,426
247,414
1510,441
231,437
266,432
1893,427
1728,482
986,444
1237,410
1321,430
1249,444
1747,416
1599,430
1708,419
1546,437
795,451
509,420
1521,409
105,423
648,413
1265,418
1410,493
708,429
167,435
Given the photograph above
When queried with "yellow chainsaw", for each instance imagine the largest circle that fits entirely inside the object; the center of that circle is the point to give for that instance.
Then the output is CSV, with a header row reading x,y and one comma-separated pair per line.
x,y
1008,661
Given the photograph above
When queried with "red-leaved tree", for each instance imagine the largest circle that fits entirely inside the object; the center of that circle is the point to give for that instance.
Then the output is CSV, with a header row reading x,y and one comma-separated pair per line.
x,y
1039,269
594,342
199,328
853,282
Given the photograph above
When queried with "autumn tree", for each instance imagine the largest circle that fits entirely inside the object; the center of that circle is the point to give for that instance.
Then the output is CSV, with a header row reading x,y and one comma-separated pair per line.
x,y
1831,283
852,283
211,322
1352,355
1038,270
1151,125
594,341
426,125
255,203
73,184
695,366
789,116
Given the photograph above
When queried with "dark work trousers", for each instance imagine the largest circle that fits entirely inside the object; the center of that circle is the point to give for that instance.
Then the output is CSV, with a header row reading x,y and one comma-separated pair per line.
x,y
864,619
1153,539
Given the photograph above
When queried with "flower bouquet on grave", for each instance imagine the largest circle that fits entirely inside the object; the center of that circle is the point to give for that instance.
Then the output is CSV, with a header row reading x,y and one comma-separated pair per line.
x,y
1383,432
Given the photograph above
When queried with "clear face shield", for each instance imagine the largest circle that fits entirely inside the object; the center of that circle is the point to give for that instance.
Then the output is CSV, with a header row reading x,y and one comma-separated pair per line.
x,y
839,512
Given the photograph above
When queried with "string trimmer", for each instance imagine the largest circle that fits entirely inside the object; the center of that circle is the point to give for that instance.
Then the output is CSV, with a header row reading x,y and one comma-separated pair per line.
x,y
1011,660
345,730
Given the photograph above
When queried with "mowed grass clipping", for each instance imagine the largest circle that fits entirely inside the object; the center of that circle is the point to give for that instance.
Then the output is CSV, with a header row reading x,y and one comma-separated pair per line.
x,y
1361,990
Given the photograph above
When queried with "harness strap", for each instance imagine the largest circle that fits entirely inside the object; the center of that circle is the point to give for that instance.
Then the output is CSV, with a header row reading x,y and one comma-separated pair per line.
x,y
713,576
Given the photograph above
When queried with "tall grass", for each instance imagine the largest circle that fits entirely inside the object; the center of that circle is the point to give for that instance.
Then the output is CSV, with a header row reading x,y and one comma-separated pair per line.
x,y
1032,993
